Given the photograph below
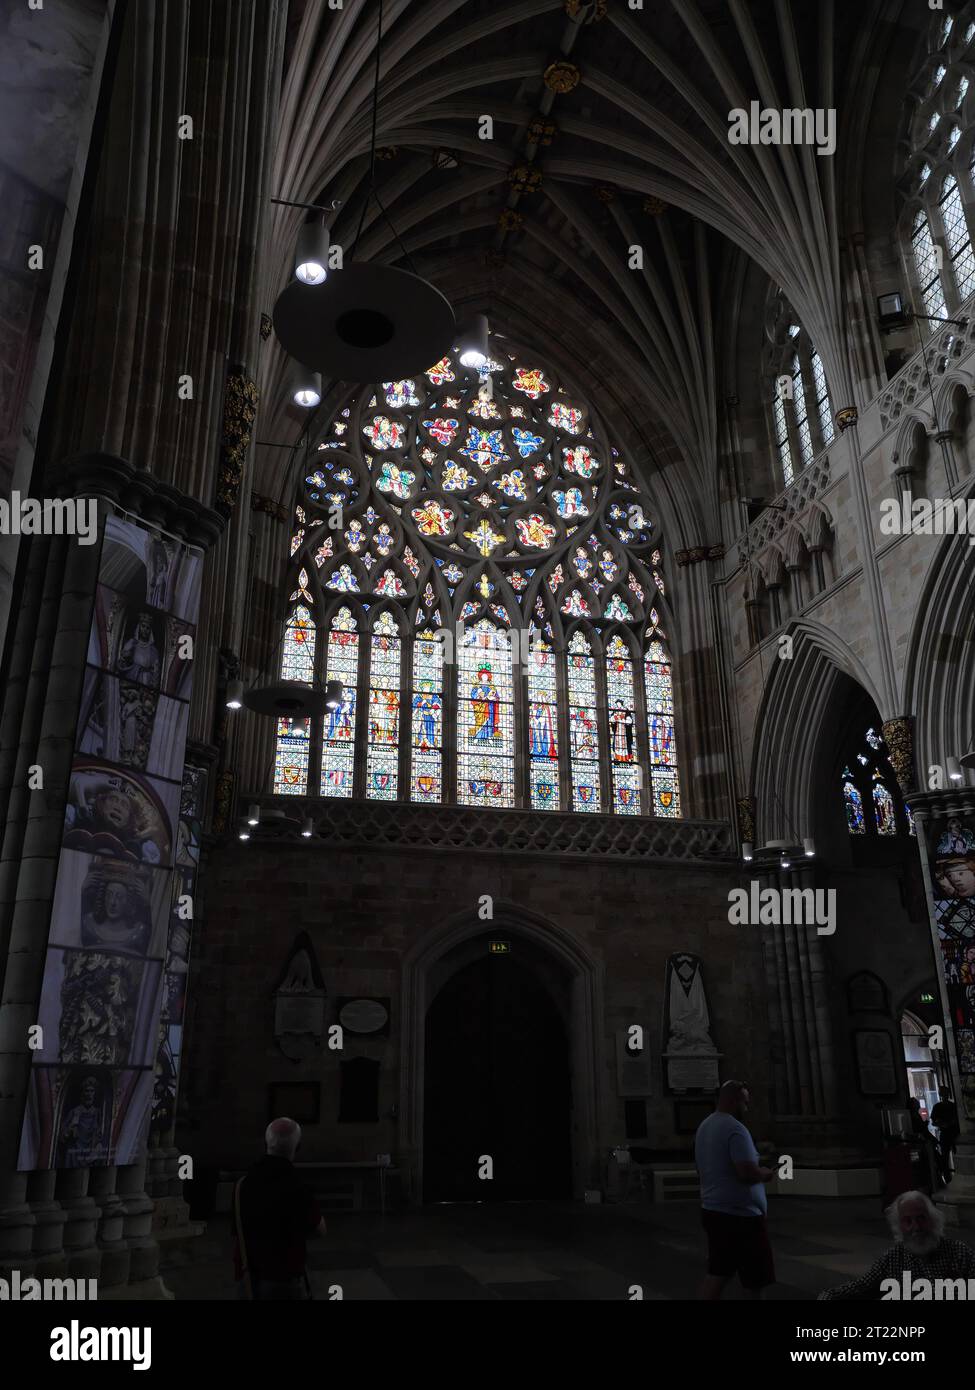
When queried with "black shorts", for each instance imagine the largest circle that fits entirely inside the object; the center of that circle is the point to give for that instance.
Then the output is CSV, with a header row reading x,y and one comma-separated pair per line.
x,y
739,1245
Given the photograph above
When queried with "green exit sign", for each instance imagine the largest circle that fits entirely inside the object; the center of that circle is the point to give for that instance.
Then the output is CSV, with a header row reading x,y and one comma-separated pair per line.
x,y
499,948
927,998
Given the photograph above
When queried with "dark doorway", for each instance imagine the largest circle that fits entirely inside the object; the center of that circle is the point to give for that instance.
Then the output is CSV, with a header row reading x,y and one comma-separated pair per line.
x,y
496,1083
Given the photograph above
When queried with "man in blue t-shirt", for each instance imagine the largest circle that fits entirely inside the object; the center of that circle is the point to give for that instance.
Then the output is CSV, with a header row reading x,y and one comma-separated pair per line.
x,y
733,1197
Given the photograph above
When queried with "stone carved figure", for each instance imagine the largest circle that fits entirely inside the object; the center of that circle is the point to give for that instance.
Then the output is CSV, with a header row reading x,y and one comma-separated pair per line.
x,y
689,1020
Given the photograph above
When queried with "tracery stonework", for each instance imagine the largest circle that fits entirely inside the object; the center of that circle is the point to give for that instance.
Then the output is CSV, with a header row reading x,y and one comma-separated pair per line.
x,y
456,527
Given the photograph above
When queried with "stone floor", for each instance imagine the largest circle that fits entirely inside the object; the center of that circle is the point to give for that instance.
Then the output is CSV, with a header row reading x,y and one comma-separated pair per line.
x,y
547,1251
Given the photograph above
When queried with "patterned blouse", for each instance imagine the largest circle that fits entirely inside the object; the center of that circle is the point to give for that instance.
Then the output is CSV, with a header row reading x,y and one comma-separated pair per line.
x,y
950,1260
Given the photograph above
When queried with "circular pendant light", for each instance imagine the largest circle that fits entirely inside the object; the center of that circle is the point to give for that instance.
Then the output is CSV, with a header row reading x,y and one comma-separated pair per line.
x,y
365,323
292,699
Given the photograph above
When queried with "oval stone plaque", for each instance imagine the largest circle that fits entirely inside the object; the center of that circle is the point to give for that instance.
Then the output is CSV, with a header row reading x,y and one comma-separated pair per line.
x,y
363,1016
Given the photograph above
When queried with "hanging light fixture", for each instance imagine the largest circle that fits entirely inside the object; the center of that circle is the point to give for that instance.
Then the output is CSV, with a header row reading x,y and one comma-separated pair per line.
x,y
747,851
235,694
253,814
307,828
308,388
473,347
311,252
334,691
809,845
954,770
243,833
366,322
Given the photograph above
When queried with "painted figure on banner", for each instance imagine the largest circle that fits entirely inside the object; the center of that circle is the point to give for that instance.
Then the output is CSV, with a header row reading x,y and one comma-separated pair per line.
x,y
116,910
84,1131
956,838
139,659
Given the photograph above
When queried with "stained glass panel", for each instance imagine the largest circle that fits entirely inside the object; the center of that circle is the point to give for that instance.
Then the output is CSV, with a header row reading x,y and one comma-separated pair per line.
x,y
854,808
338,746
622,728
298,655
291,757
382,779
883,808
659,689
543,723
583,725
426,775
485,718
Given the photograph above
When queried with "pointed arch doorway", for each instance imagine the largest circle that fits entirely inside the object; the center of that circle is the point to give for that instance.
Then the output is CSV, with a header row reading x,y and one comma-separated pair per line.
x,y
500,1061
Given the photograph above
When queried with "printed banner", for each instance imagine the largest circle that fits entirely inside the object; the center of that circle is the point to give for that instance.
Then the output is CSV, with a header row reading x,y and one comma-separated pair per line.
x,y
953,877
108,999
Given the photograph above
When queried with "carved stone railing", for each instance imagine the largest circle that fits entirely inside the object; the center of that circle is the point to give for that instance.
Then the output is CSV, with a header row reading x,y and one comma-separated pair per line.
x,y
945,348
400,825
779,514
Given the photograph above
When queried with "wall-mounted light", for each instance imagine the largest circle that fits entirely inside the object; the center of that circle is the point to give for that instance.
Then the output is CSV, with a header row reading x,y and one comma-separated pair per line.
x,y
891,313
334,690
254,814
235,694
473,347
311,252
308,388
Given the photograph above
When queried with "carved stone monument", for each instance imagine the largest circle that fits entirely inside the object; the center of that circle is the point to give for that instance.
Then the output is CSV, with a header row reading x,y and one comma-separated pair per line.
x,y
299,1000
691,1056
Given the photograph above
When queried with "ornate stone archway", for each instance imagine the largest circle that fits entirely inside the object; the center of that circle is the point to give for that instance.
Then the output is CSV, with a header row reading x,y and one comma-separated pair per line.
x,y
584,1026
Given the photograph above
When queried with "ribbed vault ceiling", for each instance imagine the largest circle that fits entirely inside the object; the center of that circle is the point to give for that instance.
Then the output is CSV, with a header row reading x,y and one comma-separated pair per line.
x,y
639,156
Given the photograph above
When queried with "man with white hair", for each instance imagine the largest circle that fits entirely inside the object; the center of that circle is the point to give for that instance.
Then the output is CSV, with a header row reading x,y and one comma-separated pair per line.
x,y
920,1250
273,1216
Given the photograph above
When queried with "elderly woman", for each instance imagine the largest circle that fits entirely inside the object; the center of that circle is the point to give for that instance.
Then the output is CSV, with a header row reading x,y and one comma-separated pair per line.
x,y
920,1250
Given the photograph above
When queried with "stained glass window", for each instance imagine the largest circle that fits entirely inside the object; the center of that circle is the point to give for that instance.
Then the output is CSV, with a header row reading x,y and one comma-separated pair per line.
x,y
495,500
822,398
868,778
382,781
338,745
623,758
854,805
543,724
485,718
883,808
583,724
427,770
659,687
956,235
802,423
782,438
926,263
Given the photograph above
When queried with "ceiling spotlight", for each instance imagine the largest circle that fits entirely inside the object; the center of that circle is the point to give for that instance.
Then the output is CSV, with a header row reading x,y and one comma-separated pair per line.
x,y
474,342
308,389
254,814
311,252
809,845
243,833
334,691
235,694
785,863
307,828
747,851
954,770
